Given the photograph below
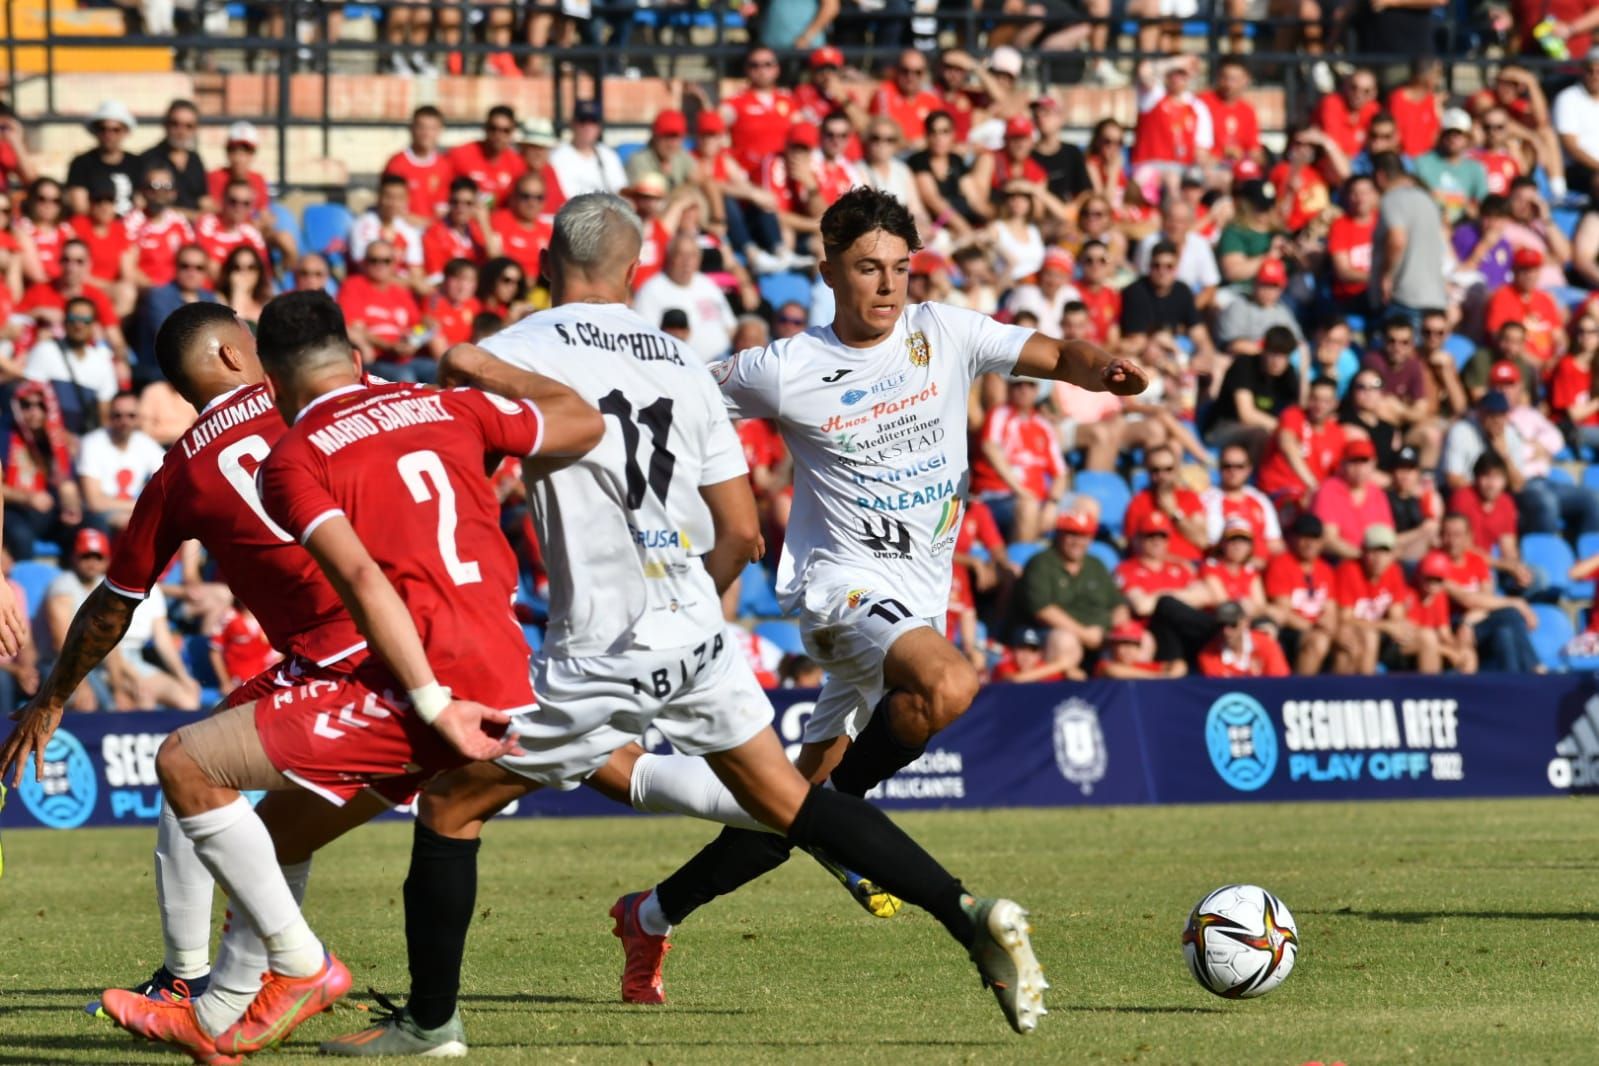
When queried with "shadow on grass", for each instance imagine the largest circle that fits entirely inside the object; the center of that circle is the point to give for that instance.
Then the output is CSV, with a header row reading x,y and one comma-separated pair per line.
x,y
1422,917
710,1043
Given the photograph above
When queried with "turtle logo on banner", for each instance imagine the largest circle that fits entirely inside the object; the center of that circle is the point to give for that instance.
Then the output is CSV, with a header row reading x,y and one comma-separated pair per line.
x,y
1080,744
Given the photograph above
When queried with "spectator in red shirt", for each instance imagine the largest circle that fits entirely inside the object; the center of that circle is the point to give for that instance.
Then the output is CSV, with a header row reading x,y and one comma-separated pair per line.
x,y
1415,106
448,313
1231,573
1173,128
1240,650
1491,510
1103,300
1165,591
1127,656
1301,588
648,197
47,304
1235,497
1349,245
1523,301
1429,611
157,231
1572,395
523,234
239,648
491,162
1571,21
905,98
465,232
1026,660
41,231
426,170
826,95
1235,128
16,164
758,117
383,316
1167,495
1352,500
230,227
111,250
1372,612
243,142
1018,471
1346,114
1498,624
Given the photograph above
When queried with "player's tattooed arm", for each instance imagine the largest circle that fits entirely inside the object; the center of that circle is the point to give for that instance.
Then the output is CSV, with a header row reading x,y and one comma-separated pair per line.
x,y
571,424
1080,363
95,631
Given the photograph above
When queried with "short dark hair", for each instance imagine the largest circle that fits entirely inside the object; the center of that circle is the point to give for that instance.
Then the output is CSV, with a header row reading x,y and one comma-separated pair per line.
x,y
1280,340
1514,323
1488,463
391,178
180,104
1356,179
1388,165
1094,243
859,212
458,266
1393,322
82,301
499,111
125,394
486,322
1523,182
186,332
427,111
932,117
75,241
1323,382
463,183
1163,247
1074,307
1384,116
1232,61
296,325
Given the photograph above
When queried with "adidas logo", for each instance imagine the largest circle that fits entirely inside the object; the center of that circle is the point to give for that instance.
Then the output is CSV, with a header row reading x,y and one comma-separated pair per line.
x,y
1576,761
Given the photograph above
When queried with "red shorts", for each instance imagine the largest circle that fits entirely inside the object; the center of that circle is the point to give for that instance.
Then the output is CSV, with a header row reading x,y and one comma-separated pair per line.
x,y
289,672
336,736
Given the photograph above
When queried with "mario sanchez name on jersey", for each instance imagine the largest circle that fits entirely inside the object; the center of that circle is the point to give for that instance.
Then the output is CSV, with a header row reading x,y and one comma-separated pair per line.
x,y
879,442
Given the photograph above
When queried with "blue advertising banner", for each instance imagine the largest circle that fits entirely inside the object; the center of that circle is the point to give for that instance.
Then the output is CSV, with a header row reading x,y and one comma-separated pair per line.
x,y
1099,743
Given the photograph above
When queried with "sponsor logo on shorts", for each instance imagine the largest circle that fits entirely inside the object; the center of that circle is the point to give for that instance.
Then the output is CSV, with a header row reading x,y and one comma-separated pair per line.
x,y
917,348
63,797
1241,741
1080,753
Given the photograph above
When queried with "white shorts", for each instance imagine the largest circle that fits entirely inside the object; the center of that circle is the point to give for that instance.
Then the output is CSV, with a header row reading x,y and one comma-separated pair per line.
x,y
848,627
703,698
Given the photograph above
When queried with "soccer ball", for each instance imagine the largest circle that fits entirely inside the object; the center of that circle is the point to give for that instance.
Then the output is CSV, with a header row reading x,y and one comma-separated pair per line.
x,y
1240,941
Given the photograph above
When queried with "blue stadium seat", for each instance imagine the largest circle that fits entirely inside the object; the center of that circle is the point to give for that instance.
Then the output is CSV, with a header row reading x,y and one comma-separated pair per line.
x,y
1561,476
779,289
1551,557
1111,492
534,637
197,656
327,229
285,222
1566,218
1356,324
755,595
1590,477
1023,550
1588,543
1105,553
784,633
1550,638
1462,348
1138,480
627,151
34,577
1569,295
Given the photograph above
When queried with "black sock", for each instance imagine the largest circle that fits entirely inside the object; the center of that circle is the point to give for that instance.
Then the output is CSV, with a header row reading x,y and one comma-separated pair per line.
x,y
440,891
733,859
860,836
875,756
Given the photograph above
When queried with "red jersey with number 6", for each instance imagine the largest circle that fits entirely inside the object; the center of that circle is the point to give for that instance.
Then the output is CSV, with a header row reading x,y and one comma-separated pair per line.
x,y
405,465
205,491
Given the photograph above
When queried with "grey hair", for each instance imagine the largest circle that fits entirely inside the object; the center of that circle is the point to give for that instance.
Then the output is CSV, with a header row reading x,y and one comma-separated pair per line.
x,y
586,230
754,322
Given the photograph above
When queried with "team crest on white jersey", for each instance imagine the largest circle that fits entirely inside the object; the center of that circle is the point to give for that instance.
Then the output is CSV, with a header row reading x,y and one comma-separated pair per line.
x,y
1080,744
921,353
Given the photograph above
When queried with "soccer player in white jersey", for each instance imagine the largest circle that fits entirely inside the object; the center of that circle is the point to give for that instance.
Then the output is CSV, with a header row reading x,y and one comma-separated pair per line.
x,y
641,536
873,409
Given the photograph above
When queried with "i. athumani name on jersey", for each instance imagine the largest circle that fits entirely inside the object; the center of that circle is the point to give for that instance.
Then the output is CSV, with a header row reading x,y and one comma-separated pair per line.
x,y
643,346
377,417
213,426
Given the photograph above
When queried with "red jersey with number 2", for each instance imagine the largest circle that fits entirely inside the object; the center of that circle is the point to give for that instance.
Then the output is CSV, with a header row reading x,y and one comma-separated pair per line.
x,y
405,465
206,491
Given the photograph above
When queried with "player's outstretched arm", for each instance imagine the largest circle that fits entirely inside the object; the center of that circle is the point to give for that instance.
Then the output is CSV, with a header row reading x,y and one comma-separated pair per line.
x,y
95,630
383,619
1088,366
738,530
571,424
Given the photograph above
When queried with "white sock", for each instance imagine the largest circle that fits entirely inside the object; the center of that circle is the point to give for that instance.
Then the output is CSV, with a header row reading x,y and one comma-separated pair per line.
x,y
183,890
680,784
240,962
651,918
235,846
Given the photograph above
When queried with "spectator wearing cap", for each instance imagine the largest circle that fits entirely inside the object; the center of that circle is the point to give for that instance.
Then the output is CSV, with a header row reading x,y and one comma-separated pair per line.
x,y
1158,304
1487,429
1417,508
1346,114
929,278
1576,121
243,142
465,232
1164,592
1253,234
1301,590
1457,179
112,254
1127,656
1351,500
1362,414
1255,393
1235,128
519,225
426,169
1491,511
1547,505
681,285
1373,602
1014,162
1018,470
383,317
1026,660
1242,327
1431,610
1068,593
86,568
157,229
1236,499
664,154
1048,296
585,164
826,95
179,154
648,196
1240,650
1349,247
1497,624
1174,128
491,161
1407,401
191,283
107,161
1231,573
230,226
387,221
904,98
951,191
535,139
758,116
1407,271
1196,262
1167,495
1543,317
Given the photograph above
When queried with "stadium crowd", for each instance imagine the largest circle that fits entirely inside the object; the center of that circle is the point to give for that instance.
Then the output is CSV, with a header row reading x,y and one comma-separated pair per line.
x,y
1372,353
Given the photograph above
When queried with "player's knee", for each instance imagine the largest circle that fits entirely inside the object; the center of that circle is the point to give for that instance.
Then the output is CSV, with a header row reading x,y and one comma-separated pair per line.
x,y
952,693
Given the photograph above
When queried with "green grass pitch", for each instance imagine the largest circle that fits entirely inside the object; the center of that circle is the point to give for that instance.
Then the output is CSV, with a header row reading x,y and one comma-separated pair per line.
x,y
1464,932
